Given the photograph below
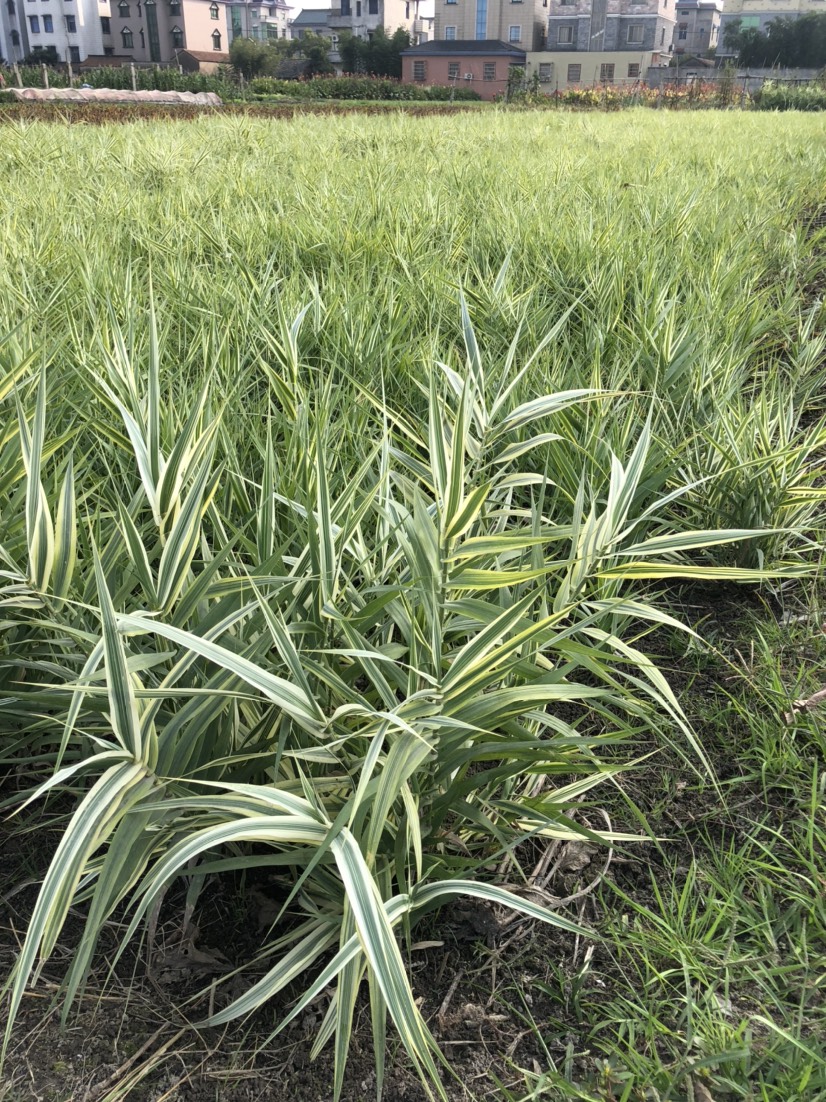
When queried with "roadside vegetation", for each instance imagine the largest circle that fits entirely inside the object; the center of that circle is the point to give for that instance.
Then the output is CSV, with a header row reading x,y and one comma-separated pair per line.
x,y
412,606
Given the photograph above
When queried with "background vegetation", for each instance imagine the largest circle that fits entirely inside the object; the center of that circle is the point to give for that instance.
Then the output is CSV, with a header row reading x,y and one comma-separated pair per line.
x,y
349,519
786,42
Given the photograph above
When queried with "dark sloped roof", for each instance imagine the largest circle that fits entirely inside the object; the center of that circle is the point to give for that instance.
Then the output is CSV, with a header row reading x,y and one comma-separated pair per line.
x,y
103,61
311,16
465,47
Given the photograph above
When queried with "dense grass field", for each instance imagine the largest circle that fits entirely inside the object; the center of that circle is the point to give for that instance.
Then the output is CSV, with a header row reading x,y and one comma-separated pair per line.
x,y
411,537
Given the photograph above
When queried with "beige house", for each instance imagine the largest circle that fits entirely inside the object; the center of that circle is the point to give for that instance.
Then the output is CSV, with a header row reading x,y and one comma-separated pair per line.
x,y
559,71
757,14
159,30
519,23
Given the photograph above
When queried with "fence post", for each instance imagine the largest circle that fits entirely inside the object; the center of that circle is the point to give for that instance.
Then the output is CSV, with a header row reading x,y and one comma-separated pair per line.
x,y
45,76
18,78
71,74
134,76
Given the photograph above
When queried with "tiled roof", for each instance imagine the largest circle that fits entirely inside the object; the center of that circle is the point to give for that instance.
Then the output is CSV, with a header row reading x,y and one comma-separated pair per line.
x,y
311,16
465,47
208,55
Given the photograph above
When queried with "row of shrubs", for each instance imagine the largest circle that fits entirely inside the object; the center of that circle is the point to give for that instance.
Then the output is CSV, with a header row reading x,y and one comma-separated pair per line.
x,y
228,87
790,97
773,96
120,76
357,87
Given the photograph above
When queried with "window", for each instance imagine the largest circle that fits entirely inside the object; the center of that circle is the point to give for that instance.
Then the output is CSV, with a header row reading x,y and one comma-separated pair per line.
x,y
213,11
489,71
74,54
177,38
48,24
635,32
453,70
420,70
216,40
272,30
34,23
254,13
108,51
515,33
450,1
606,71
126,36
345,7
682,33
565,35
105,24
662,36
372,7
574,74
15,38
174,7
407,10
10,6
634,69
123,9
450,34
481,20
71,24
546,71
358,9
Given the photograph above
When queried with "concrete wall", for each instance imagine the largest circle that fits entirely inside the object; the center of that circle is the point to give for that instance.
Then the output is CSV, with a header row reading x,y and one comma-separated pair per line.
x,y
749,79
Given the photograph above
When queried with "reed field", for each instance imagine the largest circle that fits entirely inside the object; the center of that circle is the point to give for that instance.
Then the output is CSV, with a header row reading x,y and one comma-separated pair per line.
x,y
410,607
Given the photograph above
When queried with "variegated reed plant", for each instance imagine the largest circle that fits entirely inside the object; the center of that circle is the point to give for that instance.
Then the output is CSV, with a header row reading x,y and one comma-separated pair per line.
x,y
378,684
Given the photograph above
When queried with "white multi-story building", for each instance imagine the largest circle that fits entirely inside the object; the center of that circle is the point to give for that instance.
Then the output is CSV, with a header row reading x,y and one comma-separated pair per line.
x,y
363,17
69,29
14,43
264,22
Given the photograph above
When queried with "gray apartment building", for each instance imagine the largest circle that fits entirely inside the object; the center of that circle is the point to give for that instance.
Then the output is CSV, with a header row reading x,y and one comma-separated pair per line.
x,y
611,25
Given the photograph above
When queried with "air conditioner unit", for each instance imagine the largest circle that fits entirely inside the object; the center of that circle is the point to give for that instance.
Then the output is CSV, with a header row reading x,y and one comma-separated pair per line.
x,y
468,76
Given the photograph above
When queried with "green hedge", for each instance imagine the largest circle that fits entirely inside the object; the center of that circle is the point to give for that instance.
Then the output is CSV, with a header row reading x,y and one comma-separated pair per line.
x,y
120,76
356,88
790,97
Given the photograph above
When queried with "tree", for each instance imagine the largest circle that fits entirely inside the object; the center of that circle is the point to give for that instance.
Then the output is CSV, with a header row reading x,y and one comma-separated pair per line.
x,y
380,55
791,43
261,59
249,58
315,48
